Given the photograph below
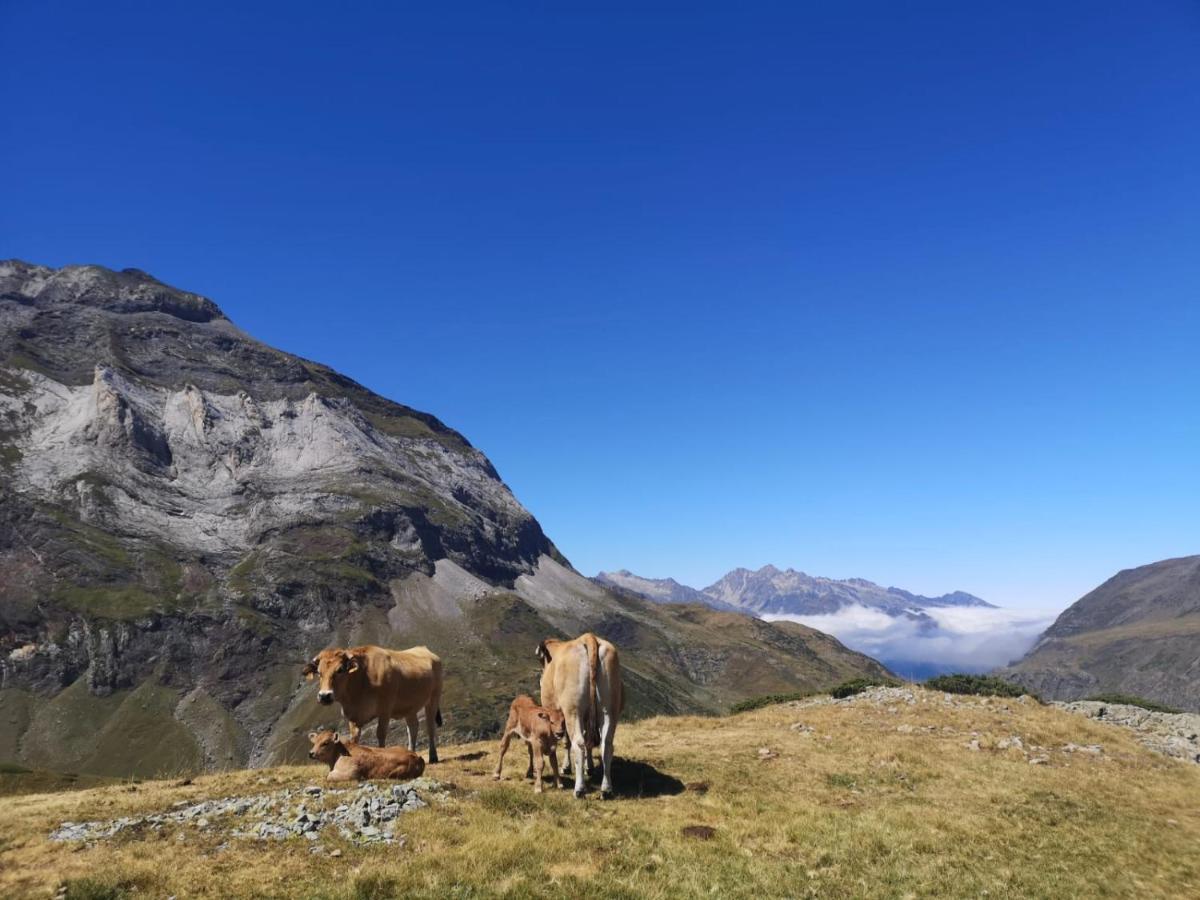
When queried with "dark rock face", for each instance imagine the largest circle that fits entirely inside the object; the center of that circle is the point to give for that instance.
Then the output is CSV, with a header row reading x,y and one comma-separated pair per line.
x,y
1137,634
187,515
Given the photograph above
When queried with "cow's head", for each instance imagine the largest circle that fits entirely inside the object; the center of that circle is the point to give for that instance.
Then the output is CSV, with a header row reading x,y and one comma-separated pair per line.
x,y
555,721
327,746
332,668
543,652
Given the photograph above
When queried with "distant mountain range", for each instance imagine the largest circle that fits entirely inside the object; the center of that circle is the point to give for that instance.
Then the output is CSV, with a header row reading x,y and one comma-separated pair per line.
x,y
1138,633
785,592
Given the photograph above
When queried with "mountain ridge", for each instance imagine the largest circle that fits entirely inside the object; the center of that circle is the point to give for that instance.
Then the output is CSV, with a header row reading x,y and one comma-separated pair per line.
x,y
1138,633
773,591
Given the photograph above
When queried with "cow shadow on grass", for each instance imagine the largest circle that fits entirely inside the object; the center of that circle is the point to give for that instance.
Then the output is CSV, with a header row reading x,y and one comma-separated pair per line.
x,y
636,778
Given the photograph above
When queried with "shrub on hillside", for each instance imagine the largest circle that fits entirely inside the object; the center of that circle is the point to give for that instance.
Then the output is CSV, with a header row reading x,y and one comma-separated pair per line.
x,y
767,700
981,685
858,685
1131,700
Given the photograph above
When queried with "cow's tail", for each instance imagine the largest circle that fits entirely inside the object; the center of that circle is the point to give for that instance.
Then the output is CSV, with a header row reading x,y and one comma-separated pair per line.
x,y
438,717
593,651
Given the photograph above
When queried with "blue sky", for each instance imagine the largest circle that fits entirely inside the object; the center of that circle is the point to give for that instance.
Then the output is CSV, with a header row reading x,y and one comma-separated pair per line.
x,y
901,291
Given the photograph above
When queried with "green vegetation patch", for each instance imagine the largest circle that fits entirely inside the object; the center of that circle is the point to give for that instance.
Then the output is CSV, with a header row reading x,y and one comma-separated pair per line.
x,y
127,602
858,685
1131,700
767,700
980,685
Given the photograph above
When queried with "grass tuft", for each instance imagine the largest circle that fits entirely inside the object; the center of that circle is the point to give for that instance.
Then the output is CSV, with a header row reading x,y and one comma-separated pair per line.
x,y
376,887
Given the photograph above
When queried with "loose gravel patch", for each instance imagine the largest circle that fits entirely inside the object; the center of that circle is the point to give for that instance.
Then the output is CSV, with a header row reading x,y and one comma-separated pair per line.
x,y
363,814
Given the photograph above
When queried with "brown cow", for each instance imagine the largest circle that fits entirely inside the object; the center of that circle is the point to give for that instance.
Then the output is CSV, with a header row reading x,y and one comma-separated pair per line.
x,y
541,728
582,677
374,683
354,762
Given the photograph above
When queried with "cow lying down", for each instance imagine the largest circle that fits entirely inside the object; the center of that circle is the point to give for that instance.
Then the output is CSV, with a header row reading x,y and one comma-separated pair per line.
x,y
354,762
541,729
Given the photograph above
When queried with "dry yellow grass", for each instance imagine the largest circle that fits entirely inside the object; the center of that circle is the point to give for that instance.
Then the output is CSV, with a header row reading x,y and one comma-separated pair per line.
x,y
856,808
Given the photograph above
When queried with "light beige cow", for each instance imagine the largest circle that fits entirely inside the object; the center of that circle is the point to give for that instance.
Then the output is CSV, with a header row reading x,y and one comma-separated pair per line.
x,y
375,683
582,677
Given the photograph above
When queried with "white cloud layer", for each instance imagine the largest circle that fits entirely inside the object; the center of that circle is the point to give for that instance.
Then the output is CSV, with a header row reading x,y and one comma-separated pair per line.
x,y
962,639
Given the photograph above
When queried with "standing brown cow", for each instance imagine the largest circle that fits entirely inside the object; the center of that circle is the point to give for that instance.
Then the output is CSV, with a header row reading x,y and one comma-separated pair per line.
x,y
582,677
374,683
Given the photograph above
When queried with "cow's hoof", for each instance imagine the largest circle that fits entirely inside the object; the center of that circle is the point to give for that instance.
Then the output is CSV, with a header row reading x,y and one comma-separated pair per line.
x,y
496,777
579,795
606,795
433,757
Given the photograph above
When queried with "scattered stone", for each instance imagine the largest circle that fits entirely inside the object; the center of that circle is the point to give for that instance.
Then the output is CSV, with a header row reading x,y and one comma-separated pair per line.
x,y
1038,760
700,832
801,728
973,745
698,787
361,814
905,729
765,753
335,853
1006,743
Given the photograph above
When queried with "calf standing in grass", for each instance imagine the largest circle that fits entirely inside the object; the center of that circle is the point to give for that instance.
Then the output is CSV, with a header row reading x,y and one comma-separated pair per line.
x,y
541,728
354,762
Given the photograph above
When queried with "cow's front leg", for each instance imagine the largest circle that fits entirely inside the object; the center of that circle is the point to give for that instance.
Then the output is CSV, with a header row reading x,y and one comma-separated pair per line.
x,y
431,714
412,723
554,768
529,747
504,742
381,730
355,731
538,764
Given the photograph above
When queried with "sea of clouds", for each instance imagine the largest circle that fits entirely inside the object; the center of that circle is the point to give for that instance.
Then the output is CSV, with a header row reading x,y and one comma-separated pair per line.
x,y
962,639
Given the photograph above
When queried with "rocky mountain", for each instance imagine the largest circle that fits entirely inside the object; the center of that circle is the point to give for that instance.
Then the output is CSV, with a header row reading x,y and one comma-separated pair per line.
x,y
660,590
1138,633
186,515
771,591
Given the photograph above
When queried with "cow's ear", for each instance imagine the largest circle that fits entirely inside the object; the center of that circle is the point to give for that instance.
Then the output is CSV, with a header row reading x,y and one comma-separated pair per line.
x,y
337,737
352,663
543,653
542,715
312,735
309,670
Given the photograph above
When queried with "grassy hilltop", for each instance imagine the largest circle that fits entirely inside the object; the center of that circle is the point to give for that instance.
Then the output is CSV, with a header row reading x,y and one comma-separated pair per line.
x,y
869,797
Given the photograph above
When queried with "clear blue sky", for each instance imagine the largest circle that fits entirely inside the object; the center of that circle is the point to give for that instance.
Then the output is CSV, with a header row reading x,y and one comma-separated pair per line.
x,y
908,291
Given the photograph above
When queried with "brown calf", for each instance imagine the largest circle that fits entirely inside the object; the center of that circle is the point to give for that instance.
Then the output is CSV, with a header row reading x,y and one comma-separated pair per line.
x,y
541,729
354,762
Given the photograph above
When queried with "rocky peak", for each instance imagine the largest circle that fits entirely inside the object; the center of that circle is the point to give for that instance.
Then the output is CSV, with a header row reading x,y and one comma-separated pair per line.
x,y
126,291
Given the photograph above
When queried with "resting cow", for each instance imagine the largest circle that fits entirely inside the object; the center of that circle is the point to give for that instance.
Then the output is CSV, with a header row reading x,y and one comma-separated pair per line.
x,y
541,728
374,683
582,677
354,762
